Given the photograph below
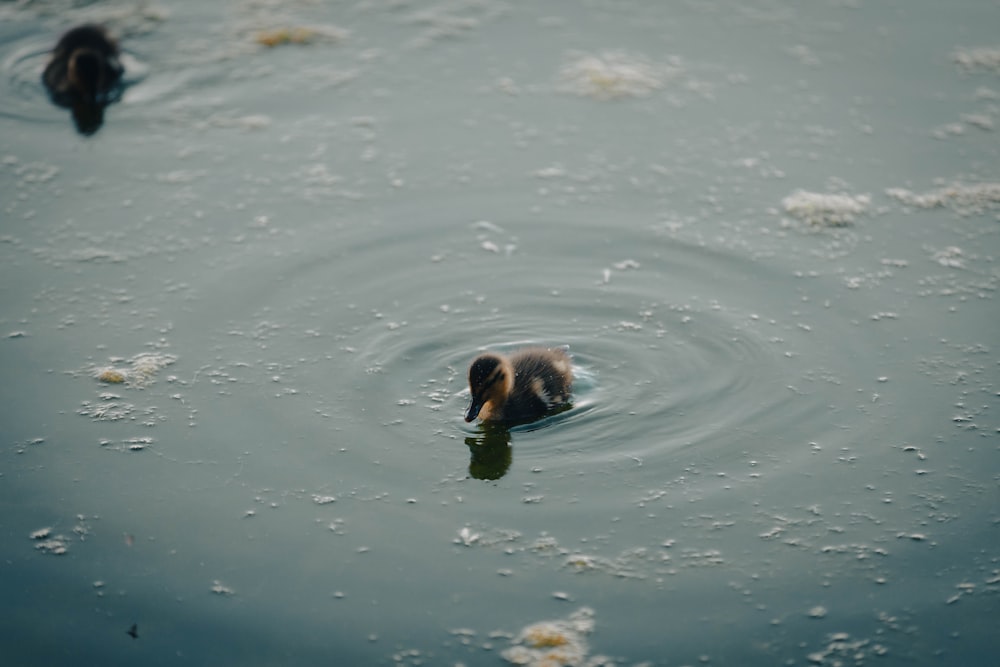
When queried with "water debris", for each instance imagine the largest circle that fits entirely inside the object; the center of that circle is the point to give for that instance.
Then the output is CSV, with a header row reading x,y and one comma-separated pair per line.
x,y
467,537
818,612
109,409
41,533
323,500
987,58
829,210
136,444
842,650
951,257
916,537
487,226
558,643
299,35
555,171
964,199
614,74
57,546
626,264
979,120
138,371
582,562
110,375
625,325
221,589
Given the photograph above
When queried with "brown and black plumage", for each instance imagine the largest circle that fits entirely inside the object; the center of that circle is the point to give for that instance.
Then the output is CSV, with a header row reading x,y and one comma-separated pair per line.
x,y
84,74
519,388
84,66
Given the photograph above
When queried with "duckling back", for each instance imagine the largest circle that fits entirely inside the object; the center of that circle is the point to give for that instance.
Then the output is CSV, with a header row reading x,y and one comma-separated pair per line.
x,y
543,380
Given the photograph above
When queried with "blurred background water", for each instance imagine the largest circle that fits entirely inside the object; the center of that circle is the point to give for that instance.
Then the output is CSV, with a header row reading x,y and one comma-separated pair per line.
x,y
236,324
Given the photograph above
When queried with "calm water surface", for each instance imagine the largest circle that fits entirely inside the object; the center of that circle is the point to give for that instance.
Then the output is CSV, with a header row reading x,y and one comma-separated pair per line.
x,y
236,325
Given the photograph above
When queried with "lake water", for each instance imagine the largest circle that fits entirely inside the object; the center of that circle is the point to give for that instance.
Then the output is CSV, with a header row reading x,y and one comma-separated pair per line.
x,y
236,324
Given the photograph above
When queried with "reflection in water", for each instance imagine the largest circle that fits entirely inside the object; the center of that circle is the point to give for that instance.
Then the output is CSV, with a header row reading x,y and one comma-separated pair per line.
x,y
490,449
84,75
491,453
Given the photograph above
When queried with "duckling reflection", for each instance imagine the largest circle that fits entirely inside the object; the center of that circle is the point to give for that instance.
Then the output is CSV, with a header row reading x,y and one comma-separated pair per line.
x,y
84,75
490,452
521,388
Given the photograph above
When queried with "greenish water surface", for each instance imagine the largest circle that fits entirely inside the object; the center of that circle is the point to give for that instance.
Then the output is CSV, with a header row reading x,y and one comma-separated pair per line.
x,y
236,324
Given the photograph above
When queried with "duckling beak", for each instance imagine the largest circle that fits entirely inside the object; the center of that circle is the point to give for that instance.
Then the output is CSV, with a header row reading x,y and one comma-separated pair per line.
x,y
474,408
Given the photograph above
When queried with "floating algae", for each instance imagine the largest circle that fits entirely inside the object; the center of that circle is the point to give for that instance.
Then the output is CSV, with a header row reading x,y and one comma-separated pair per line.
x,y
831,210
138,371
558,643
298,35
111,375
972,199
612,75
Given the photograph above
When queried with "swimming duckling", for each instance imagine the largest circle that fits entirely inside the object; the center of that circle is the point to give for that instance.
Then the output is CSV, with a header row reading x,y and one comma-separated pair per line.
x,y
84,66
84,75
519,388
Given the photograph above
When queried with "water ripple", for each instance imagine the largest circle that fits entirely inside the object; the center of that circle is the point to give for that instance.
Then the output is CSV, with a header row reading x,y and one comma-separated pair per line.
x,y
679,350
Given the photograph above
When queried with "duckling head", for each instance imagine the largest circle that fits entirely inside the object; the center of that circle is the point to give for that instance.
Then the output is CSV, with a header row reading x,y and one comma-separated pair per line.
x,y
491,379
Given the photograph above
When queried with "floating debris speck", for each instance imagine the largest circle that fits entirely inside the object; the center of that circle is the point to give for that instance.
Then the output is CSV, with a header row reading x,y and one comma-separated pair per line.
x,y
952,257
146,365
57,546
140,371
221,589
613,74
467,537
842,650
817,612
964,199
299,35
831,210
108,410
982,58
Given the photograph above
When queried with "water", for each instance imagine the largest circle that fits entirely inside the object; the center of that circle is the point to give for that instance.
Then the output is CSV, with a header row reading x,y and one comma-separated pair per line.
x,y
783,442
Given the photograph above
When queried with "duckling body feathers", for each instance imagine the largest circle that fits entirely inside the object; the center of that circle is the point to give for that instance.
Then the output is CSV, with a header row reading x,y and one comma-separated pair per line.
x,y
519,388
84,68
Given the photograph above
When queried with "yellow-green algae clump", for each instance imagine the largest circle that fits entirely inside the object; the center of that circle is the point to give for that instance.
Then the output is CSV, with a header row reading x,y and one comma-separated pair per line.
x,y
558,643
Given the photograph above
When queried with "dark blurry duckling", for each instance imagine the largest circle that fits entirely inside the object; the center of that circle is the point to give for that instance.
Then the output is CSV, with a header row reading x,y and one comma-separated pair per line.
x,y
84,67
519,388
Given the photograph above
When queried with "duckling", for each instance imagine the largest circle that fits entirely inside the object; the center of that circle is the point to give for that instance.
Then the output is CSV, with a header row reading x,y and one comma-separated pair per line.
x,y
84,74
519,388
